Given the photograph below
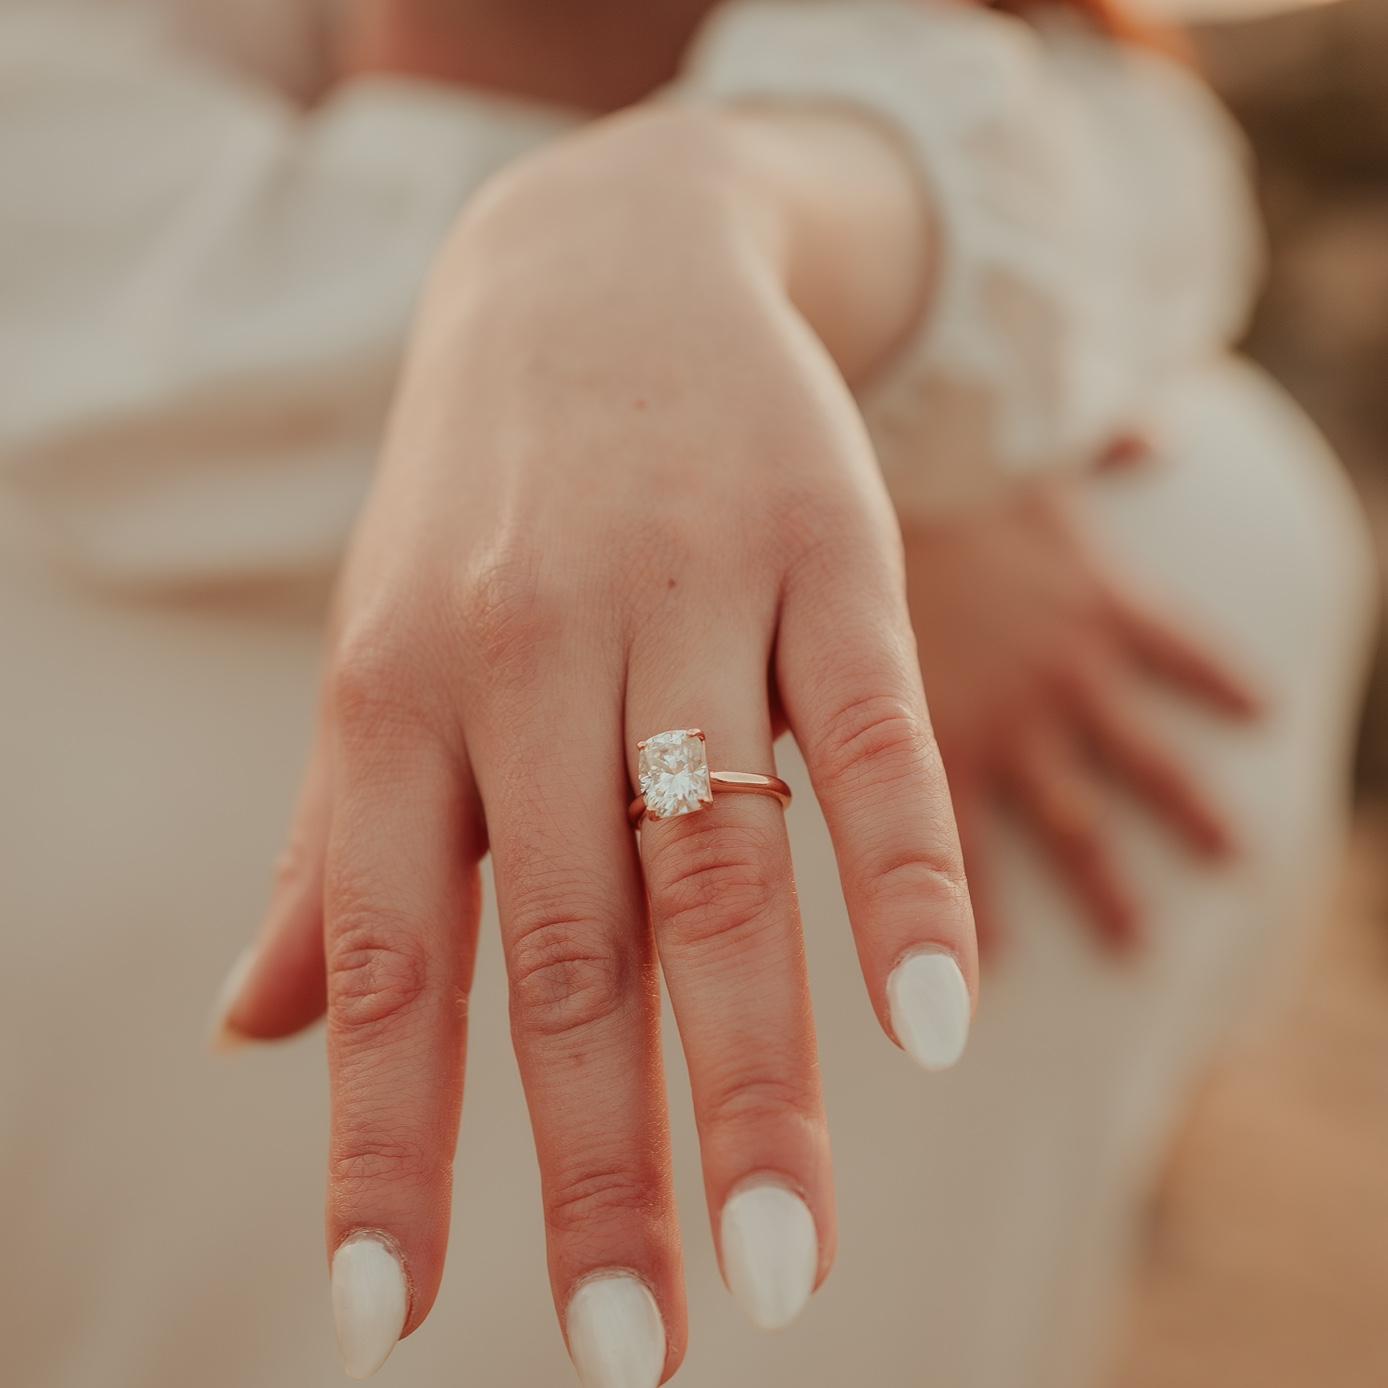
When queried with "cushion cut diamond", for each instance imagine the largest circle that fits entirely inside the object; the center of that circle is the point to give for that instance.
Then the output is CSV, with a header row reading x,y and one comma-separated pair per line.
x,y
673,770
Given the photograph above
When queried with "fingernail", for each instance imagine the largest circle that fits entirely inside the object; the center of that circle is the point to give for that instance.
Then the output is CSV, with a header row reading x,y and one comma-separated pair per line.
x,y
616,1336
770,1253
221,1035
930,1007
370,1302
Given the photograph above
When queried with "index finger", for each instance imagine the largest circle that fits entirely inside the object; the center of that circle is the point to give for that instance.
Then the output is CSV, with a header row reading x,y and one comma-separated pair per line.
x,y
400,911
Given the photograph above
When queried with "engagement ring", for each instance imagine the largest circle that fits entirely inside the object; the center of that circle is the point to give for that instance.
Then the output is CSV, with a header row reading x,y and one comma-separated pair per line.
x,y
675,779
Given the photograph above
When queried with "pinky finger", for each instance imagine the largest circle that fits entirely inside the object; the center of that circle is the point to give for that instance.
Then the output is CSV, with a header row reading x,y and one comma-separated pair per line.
x,y
277,986
1056,792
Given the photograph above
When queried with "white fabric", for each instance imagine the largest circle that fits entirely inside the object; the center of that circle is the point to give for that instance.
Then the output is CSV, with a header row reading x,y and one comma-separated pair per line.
x,y
1096,224
206,287
206,290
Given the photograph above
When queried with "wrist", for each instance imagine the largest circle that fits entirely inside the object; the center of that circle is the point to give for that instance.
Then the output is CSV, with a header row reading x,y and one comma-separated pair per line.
x,y
651,177
857,239
821,205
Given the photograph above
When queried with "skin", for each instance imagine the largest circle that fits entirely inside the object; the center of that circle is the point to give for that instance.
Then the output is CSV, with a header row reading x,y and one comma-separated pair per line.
x,y
614,502
598,56
626,488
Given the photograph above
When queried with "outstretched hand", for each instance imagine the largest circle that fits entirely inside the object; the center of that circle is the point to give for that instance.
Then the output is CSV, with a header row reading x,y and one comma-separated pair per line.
x,y
626,490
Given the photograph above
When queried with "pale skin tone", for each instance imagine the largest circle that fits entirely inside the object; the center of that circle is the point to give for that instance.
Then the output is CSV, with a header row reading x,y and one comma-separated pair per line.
x,y
626,488
630,499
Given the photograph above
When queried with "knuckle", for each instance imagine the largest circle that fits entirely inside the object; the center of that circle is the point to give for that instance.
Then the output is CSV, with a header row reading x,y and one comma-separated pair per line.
x,y
810,522
367,1158
827,533
665,571
759,1102
671,542
378,970
566,976
876,738
575,1204
507,610
373,687
920,877
711,880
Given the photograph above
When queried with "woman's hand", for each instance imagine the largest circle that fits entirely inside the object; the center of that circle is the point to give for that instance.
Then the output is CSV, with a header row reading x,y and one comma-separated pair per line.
x,y
1035,651
625,490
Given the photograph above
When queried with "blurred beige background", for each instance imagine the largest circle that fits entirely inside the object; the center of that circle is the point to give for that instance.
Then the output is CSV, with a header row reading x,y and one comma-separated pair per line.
x,y
1267,1260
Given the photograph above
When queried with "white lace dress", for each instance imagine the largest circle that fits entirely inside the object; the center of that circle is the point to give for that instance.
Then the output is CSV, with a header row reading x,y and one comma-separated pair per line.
x,y
205,290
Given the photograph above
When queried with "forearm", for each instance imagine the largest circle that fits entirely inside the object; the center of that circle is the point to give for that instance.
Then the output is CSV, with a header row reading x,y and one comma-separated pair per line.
x,y
821,204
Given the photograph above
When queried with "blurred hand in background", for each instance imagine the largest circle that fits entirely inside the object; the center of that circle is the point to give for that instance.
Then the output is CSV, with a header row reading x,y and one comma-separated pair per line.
x,y
1036,649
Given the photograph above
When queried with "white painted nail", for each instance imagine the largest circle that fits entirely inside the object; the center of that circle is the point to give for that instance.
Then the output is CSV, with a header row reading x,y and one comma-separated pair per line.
x,y
221,1036
930,1008
616,1336
770,1253
370,1301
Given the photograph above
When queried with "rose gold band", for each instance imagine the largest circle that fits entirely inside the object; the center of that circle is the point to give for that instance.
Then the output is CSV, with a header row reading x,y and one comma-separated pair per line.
x,y
728,783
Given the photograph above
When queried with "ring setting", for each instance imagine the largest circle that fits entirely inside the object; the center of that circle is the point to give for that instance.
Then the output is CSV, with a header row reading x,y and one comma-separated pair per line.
x,y
673,773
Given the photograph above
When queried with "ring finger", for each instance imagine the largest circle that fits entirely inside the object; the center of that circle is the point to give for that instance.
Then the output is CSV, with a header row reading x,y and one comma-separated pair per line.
x,y
727,927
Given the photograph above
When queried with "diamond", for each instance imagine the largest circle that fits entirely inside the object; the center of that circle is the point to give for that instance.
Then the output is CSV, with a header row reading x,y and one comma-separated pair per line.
x,y
673,770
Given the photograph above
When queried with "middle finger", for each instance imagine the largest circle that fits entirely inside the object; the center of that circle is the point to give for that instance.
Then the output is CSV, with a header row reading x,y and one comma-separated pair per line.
x,y
585,1016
